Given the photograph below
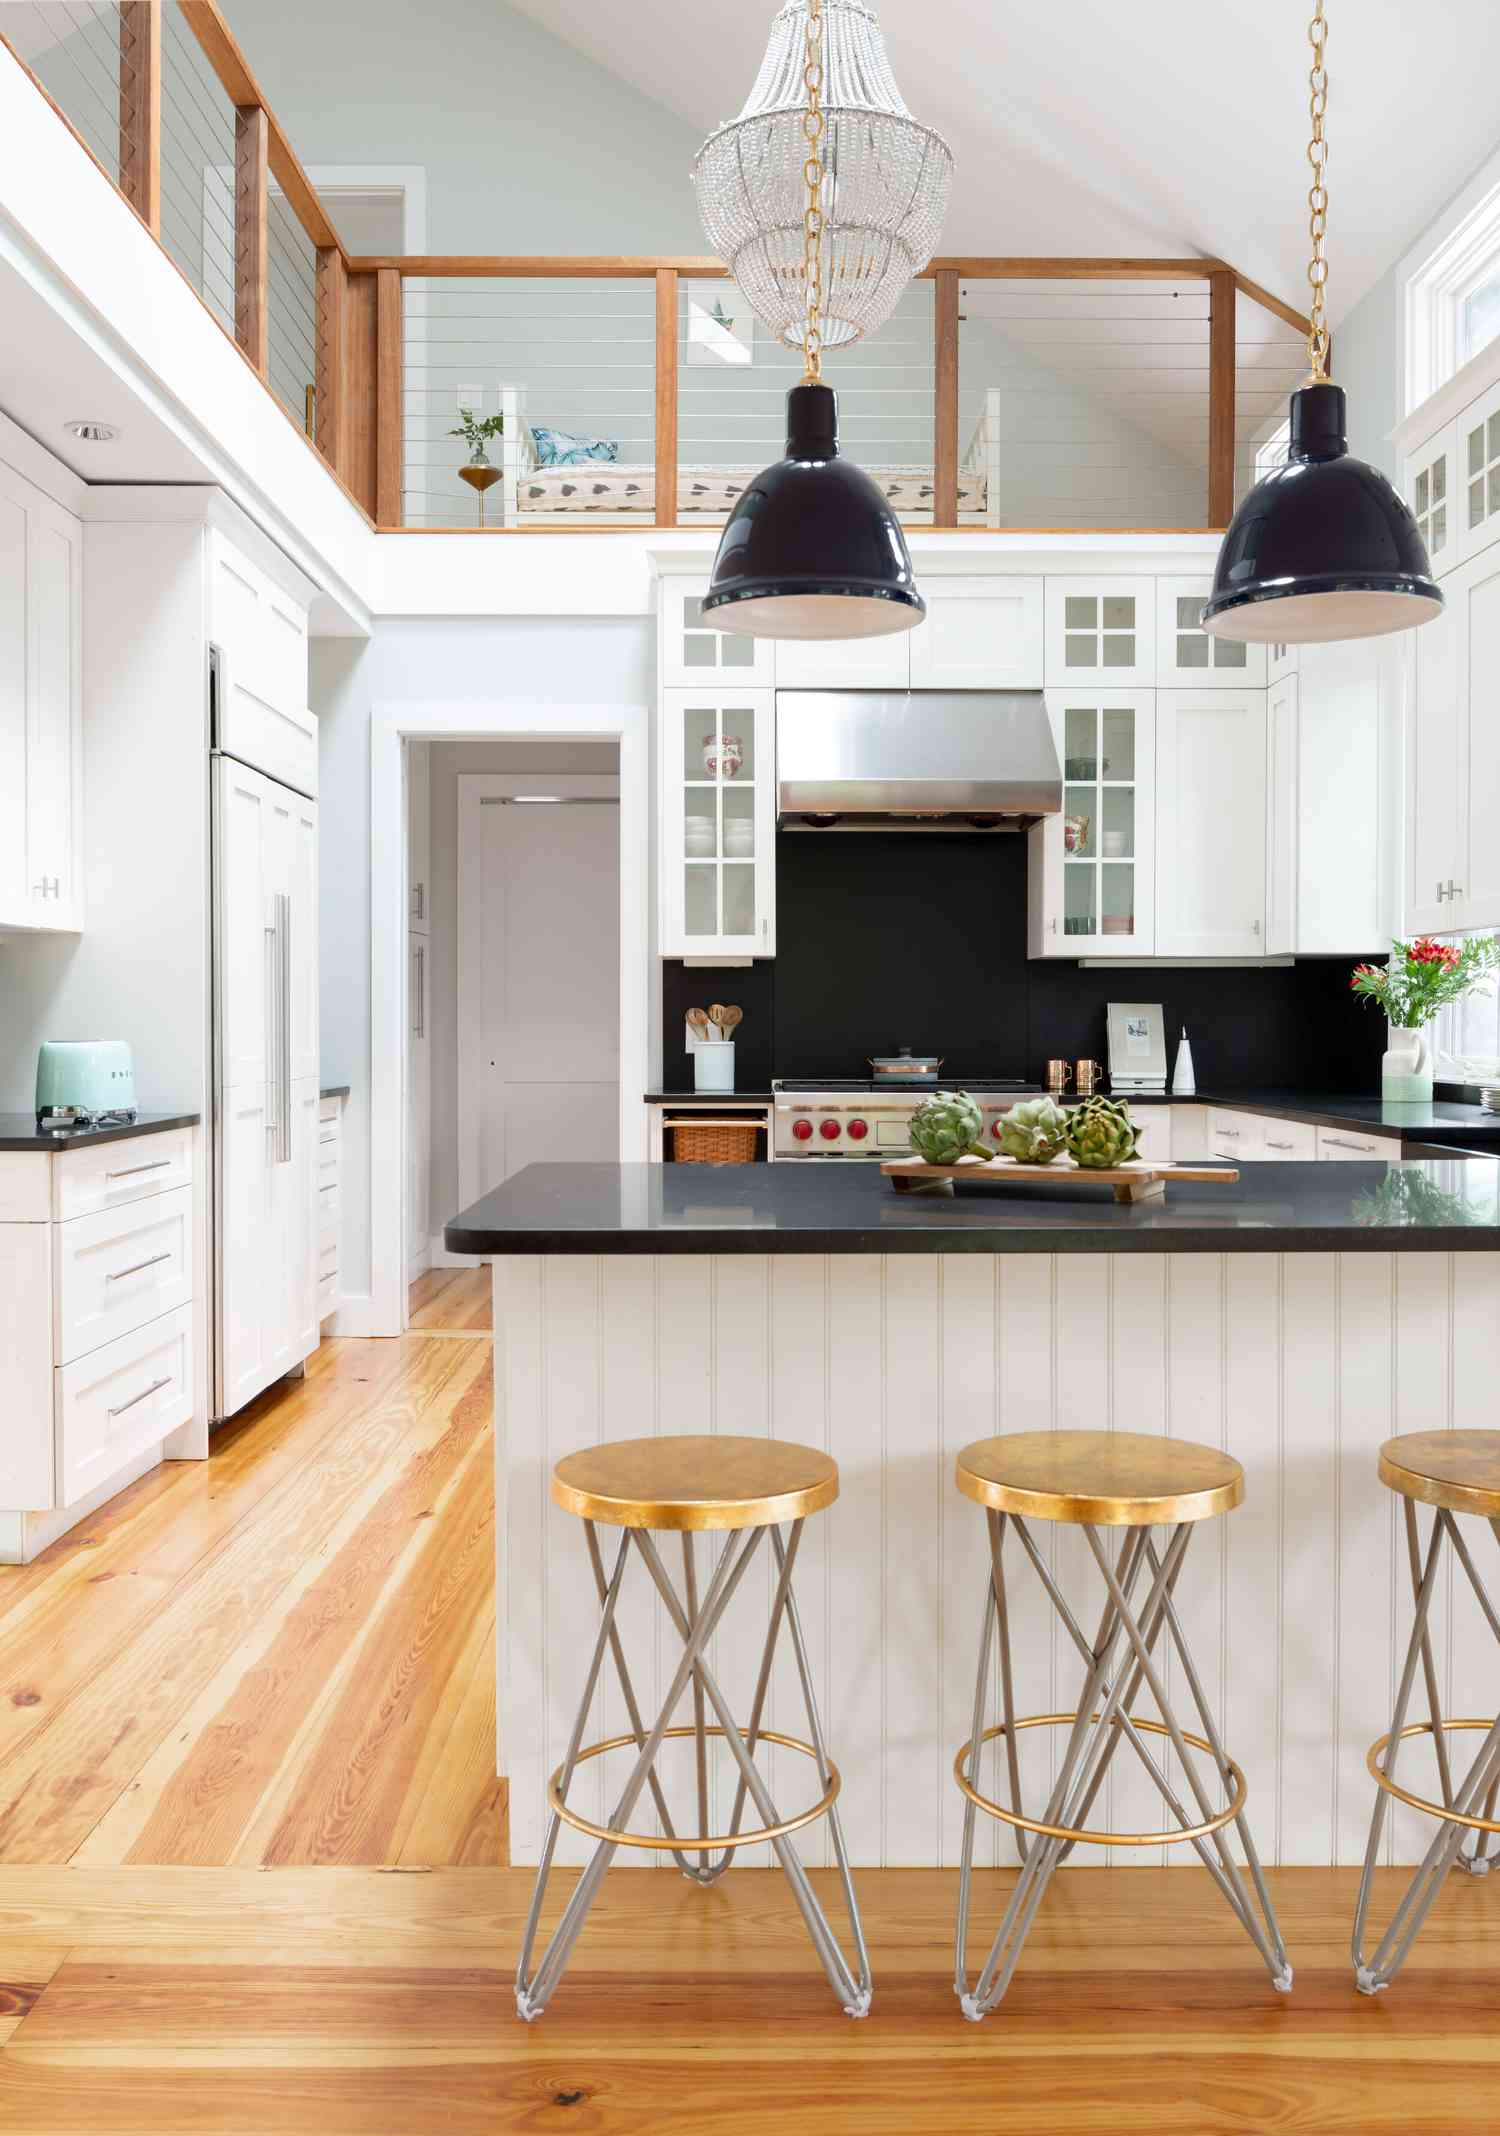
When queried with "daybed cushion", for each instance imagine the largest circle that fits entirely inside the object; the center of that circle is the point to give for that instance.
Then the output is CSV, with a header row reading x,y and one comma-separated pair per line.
x,y
597,488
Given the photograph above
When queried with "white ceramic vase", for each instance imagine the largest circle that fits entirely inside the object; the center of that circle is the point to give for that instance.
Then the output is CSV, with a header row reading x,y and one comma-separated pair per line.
x,y
1406,1070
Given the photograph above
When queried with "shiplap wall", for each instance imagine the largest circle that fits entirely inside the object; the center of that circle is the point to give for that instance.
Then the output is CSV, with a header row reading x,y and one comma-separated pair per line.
x,y
1297,1604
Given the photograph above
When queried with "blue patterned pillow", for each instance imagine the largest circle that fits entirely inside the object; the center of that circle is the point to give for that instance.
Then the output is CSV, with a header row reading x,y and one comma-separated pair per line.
x,y
559,448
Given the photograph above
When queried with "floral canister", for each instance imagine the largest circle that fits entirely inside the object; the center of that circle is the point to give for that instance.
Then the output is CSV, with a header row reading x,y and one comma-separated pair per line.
x,y
1418,979
726,750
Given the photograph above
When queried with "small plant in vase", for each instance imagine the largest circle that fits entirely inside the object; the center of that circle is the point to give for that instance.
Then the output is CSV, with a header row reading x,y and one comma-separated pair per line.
x,y
1420,978
476,431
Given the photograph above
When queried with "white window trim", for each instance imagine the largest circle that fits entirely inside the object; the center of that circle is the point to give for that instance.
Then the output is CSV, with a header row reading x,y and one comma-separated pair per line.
x,y
1460,251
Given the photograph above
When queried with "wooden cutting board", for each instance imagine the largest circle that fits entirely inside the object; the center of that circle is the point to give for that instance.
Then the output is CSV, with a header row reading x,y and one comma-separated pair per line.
x,y
1134,1182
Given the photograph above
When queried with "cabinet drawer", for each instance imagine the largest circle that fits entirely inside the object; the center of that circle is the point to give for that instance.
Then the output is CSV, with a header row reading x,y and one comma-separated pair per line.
x,y
1155,1124
328,1293
1341,1146
119,1268
328,1259
113,1173
1290,1141
331,1109
121,1399
1236,1135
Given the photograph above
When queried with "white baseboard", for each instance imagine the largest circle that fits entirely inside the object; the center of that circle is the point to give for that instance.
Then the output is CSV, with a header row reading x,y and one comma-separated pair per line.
x,y
418,1263
23,1535
438,1256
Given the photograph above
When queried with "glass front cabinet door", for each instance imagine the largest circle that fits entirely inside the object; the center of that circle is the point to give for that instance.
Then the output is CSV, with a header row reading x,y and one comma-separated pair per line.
x,y
1091,888
717,751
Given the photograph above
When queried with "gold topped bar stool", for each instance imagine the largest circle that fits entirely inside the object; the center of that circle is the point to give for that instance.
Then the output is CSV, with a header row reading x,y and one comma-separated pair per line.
x,y
744,1488
1453,1472
1096,1480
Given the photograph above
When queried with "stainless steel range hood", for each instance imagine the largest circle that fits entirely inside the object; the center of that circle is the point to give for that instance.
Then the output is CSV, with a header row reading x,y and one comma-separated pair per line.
x,y
919,760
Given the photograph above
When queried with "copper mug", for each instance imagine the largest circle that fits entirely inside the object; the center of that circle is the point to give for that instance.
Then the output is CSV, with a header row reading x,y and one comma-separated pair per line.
x,y
1089,1075
1059,1073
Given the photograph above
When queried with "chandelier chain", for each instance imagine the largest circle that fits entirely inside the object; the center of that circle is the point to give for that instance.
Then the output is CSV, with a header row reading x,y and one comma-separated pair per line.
x,y
1317,200
813,125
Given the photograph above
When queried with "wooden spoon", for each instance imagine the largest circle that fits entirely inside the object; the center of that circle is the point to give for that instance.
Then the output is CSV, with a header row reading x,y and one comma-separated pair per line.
x,y
698,1021
729,1019
716,1016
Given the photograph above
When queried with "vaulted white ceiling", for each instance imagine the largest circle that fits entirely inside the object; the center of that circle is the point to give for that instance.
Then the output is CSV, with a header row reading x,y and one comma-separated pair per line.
x,y
1159,127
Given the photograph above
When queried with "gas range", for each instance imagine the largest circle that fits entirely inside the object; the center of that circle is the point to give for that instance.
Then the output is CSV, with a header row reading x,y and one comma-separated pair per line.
x,y
819,1117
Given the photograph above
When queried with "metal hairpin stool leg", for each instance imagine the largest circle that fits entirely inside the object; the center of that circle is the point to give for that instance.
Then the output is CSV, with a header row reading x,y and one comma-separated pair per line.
x,y
744,1488
1453,1472
1097,1480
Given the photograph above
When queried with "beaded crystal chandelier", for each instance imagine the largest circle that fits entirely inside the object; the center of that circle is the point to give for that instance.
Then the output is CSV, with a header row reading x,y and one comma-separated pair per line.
x,y
884,185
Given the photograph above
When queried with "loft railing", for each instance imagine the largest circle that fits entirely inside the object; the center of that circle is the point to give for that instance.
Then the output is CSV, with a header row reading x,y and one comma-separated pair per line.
x,y
1108,394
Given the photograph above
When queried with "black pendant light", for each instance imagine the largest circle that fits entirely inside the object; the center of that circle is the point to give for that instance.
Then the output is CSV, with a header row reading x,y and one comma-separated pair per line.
x,y
812,549
1324,548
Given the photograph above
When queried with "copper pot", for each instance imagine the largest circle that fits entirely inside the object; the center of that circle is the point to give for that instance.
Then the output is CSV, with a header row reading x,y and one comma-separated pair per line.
x,y
905,1066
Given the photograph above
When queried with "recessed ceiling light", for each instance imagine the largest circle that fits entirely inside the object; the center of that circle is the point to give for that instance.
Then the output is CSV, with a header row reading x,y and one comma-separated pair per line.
x,y
93,433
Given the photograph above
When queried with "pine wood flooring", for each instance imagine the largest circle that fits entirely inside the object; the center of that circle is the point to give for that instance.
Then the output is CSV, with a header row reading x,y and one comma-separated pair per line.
x,y
451,1300
252,1881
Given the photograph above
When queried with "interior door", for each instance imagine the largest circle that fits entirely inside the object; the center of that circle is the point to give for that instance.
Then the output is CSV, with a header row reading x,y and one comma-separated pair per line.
x,y
548,948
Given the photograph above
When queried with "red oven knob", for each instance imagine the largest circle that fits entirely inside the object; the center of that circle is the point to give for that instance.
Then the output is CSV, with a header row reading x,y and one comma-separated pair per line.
x,y
802,1129
857,1131
995,1129
829,1130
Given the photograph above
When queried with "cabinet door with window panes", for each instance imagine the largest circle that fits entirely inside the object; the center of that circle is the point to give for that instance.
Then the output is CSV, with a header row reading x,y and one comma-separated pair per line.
x,y
717,752
1185,652
693,653
1091,889
1100,629
1431,489
1476,474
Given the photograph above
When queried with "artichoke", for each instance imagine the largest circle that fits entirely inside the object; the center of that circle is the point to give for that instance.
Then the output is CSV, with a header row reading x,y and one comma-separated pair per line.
x,y
1034,1131
947,1126
1101,1133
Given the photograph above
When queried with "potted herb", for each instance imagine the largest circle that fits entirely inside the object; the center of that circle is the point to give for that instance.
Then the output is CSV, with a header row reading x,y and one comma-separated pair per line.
x,y
477,430
1420,978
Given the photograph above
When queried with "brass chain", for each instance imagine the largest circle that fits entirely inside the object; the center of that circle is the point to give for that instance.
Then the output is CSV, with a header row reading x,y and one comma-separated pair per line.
x,y
1317,200
812,171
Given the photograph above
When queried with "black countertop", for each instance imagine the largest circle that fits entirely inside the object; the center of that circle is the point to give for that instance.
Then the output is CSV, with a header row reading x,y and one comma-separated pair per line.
x,y
18,1131
1441,1206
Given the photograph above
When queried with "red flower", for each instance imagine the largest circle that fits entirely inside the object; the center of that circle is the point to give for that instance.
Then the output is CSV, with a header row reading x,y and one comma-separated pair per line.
x,y
1426,951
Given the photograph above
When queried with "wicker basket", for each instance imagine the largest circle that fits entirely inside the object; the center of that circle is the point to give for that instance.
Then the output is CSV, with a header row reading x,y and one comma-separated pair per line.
x,y
714,1141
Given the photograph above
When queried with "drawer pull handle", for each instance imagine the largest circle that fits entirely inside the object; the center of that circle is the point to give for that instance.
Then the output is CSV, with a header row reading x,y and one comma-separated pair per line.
x,y
333,1137
146,1392
161,1165
1232,1132
1337,1142
118,1275
1270,1145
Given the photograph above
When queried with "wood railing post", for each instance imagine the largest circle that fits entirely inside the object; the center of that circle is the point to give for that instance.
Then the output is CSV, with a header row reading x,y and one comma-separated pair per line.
x,y
666,396
390,453
945,398
252,139
332,288
140,109
1221,417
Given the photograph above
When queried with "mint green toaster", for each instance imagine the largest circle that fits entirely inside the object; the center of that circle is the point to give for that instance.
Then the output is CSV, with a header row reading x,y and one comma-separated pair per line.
x,y
84,1080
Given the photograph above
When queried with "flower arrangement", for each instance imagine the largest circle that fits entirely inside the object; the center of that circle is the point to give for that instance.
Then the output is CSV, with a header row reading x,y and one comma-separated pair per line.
x,y
478,430
1424,976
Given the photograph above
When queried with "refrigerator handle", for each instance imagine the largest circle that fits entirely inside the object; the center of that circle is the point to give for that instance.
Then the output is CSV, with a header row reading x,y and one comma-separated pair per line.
x,y
284,1021
273,1028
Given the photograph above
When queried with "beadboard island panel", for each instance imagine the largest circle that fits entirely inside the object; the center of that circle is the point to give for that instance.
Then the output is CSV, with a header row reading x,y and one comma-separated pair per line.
x,y
1296,1605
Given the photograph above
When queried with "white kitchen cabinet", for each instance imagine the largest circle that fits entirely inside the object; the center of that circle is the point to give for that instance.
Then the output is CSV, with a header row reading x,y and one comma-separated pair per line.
x,y
716,750
419,836
259,634
1289,1141
418,1106
97,1261
1091,870
1429,484
1210,823
1346,781
1475,590
980,633
1281,660
1477,474
694,654
41,716
1101,630
1453,758
330,1200
1184,651
1344,1145
845,663
1239,1136
1281,817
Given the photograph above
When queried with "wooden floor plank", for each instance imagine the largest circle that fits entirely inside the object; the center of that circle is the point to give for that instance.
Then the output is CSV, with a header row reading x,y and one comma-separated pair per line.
x,y
385,2004
56,1788
197,1801
457,1298
461,1819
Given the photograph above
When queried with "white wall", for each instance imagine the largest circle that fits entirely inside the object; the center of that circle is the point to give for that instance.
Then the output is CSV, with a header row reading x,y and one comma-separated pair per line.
x,y
447,761
515,661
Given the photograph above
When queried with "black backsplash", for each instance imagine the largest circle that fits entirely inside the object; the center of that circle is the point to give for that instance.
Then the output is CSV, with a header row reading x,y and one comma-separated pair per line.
x,y
887,941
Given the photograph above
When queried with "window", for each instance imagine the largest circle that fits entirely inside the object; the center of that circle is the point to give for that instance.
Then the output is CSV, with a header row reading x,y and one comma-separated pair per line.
x,y
1451,290
1272,451
1468,1032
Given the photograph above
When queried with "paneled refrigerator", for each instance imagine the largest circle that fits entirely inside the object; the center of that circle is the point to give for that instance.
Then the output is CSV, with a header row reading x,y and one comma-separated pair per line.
x,y
265,838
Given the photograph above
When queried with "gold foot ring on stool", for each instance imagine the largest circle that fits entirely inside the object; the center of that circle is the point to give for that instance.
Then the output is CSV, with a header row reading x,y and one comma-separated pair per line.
x,y
701,1844
1104,1839
1420,1802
